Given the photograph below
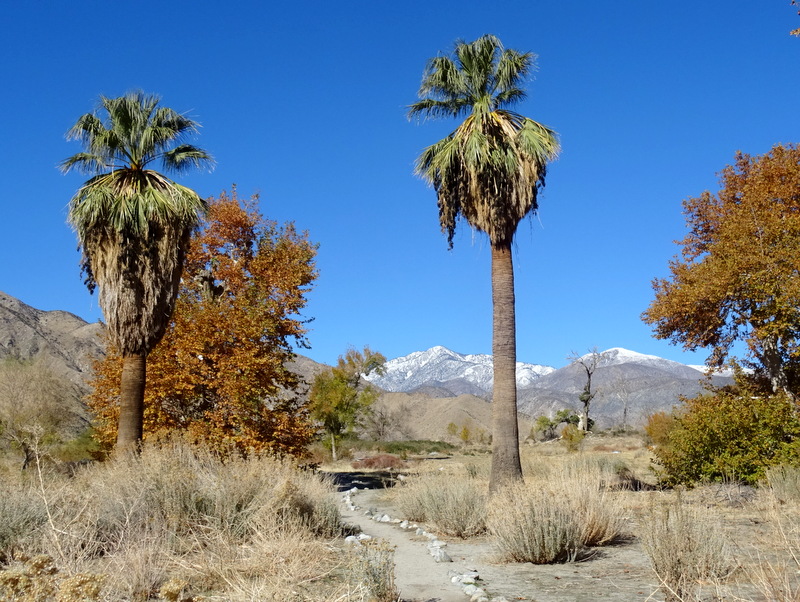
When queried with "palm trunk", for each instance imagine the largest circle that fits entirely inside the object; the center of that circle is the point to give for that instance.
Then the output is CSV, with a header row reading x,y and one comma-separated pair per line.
x,y
131,401
506,465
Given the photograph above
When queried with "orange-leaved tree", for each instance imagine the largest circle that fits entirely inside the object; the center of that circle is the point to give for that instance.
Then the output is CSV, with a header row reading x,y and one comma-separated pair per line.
x,y
738,276
220,373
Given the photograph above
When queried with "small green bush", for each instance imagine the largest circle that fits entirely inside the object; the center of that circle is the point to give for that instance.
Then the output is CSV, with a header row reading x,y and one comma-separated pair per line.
x,y
572,437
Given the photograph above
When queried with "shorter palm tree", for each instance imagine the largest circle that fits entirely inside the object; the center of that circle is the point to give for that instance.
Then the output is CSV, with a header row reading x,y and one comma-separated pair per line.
x,y
133,226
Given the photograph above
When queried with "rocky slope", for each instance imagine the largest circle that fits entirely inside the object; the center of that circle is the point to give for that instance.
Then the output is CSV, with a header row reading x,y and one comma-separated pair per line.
x,y
67,343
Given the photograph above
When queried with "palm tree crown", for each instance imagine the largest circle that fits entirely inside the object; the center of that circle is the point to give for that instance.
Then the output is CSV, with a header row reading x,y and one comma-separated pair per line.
x,y
124,194
489,170
132,222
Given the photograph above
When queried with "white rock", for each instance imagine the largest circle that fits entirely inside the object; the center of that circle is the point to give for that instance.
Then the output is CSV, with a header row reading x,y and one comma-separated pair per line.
x,y
364,537
439,555
385,519
470,589
351,539
404,524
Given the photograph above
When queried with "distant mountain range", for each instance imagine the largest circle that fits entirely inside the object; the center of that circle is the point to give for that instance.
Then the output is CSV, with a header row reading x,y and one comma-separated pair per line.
x,y
643,383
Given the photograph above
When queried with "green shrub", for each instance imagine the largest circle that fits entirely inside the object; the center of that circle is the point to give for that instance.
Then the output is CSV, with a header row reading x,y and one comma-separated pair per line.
x,y
658,428
572,437
729,435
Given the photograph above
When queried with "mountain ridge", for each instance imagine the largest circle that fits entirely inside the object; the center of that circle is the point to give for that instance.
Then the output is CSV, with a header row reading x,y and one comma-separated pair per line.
x,y
628,386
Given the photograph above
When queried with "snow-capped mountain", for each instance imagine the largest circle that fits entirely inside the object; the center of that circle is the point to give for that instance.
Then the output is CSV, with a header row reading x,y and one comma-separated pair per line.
x,y
440,367
618,356
628,386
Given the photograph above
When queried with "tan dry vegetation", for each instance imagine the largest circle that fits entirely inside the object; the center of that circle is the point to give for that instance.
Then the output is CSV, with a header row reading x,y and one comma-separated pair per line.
x,y
753,535
173,520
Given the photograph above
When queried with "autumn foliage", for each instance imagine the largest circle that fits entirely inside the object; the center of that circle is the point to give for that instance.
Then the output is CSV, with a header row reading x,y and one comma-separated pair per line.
x,y
738,275
219,375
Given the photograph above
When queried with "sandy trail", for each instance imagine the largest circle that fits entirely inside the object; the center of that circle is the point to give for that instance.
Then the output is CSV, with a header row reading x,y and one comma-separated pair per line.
x,y
418,576
615,573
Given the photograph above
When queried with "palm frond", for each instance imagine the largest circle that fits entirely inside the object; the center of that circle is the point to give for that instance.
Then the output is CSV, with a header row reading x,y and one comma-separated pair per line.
x,y
86,163
184,157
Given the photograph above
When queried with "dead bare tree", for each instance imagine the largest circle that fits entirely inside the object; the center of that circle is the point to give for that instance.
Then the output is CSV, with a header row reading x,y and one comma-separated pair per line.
x,y
589,362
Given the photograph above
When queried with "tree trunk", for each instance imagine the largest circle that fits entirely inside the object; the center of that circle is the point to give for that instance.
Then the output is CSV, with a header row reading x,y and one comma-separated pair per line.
x,y
583,420
773,363
506,466
131,402
333,447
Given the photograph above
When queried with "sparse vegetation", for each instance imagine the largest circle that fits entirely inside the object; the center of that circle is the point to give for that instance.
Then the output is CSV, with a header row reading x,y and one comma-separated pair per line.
x,y
174,513
454,507
372,572
686,547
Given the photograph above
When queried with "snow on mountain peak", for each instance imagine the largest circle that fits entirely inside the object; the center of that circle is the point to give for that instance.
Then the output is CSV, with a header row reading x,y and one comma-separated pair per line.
x,y
440,364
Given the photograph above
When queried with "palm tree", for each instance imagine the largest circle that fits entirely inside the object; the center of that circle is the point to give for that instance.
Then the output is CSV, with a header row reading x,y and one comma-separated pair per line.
x,y
133,226
488,171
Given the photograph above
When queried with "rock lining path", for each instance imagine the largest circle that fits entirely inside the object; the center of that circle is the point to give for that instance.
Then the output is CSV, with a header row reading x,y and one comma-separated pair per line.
x,y
616,574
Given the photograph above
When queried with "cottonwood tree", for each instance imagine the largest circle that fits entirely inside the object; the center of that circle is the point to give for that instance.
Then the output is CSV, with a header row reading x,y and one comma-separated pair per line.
x,y
489,172
339,399
37,408
589,363
219,374
133,226
737,277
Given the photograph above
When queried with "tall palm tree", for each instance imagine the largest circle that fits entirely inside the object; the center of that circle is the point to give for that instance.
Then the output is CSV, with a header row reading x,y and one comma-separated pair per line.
x,y
488,171
133,226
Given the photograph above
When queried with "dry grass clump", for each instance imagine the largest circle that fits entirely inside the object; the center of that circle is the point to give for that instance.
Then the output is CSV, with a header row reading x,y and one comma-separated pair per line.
x,y
452,506
784,483
776,571
372,573
554,518
529,525
686,547
175,513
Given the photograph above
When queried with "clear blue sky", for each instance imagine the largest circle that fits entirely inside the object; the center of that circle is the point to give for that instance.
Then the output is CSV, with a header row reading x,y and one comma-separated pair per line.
x,y
305,103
